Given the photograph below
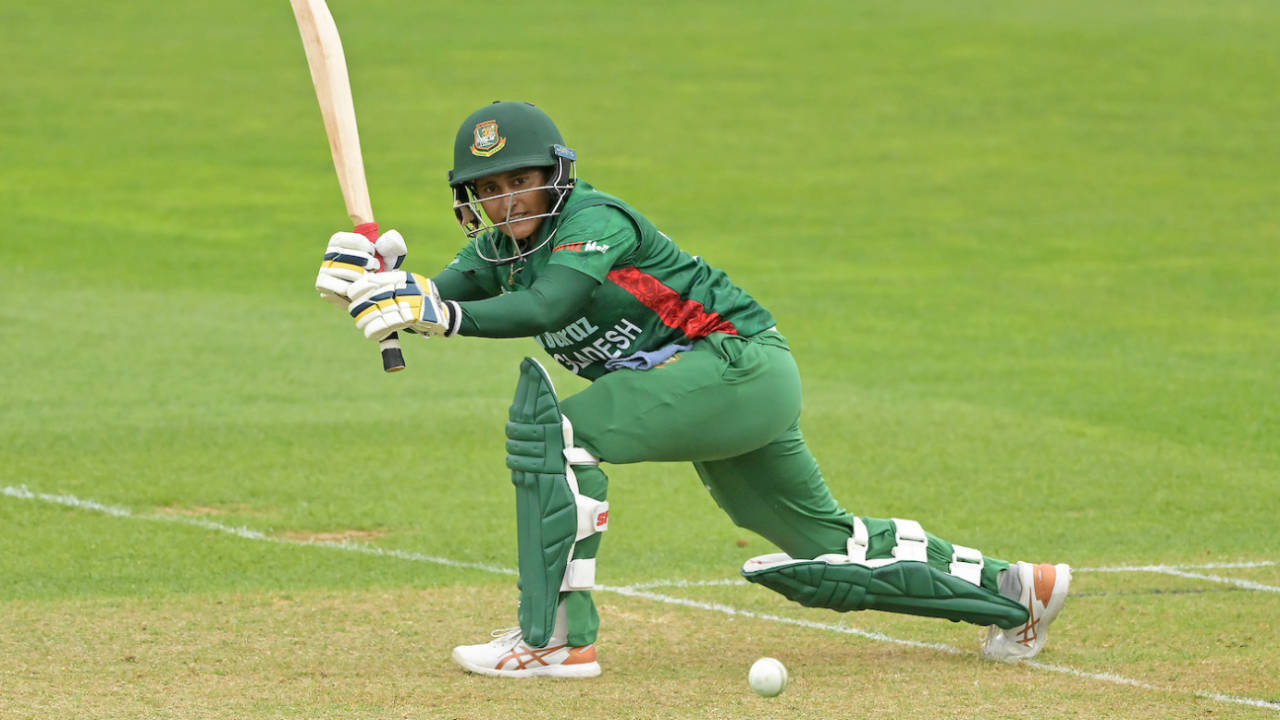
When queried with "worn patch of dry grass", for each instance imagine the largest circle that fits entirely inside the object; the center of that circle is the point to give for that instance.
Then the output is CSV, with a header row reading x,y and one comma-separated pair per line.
x,y
385,654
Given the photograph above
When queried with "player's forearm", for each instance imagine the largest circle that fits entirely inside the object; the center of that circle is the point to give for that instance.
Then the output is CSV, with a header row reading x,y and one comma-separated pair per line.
x,y
456,285
548,305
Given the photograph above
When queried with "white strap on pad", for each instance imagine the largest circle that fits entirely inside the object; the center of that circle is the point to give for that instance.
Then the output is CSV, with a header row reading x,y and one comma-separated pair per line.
x,y
577,455
593,515
912,543
856,547
579,575
967,564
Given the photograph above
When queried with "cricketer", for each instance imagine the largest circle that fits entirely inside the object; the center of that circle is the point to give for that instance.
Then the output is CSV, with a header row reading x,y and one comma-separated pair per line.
x,y
684,366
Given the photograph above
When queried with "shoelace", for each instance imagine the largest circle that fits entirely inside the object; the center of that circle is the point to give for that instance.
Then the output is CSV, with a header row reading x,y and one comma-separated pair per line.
x,y
504,636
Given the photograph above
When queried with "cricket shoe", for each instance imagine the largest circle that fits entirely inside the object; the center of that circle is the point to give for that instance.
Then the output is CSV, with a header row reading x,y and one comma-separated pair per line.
x,y
508,656
1044,590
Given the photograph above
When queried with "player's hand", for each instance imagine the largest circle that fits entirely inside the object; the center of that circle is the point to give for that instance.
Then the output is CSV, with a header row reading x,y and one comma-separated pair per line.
x,y
387,302
350,256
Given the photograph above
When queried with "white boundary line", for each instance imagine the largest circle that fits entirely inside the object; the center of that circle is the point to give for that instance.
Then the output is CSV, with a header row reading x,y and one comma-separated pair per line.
x,y
636,591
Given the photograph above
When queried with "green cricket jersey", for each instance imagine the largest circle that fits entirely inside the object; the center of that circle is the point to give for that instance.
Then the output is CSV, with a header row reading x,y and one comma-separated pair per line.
x,y
651,293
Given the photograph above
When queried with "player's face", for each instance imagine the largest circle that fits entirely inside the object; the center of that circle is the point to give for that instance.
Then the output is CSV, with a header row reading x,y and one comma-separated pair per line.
x,y
507,197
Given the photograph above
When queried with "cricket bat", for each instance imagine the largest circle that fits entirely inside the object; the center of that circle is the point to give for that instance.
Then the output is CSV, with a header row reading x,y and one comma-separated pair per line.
x,y
333,92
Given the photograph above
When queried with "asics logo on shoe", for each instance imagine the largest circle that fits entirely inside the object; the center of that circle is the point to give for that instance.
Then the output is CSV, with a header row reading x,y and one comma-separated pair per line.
x,y
1027,635
524,656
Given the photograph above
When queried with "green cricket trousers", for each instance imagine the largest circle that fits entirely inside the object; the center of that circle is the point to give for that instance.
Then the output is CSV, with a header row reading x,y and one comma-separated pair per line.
x,y
731,406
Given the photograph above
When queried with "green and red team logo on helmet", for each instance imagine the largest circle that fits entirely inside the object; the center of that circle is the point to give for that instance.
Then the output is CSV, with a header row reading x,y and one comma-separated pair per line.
x,y
488,141
498,138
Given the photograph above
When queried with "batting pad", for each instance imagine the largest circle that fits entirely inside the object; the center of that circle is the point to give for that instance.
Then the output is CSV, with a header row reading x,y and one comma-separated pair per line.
x,y
551,515
902,586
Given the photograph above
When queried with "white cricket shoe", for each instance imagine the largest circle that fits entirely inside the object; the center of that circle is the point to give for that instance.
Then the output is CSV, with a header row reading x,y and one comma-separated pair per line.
x,y
1044,591
508,656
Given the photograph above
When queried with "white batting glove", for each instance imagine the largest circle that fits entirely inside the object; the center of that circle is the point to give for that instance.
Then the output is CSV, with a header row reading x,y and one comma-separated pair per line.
x,y
350,256
387,302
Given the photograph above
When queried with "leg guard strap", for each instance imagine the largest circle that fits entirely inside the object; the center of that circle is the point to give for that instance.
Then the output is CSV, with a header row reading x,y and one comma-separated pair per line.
x,y
911,542
593,514
967,564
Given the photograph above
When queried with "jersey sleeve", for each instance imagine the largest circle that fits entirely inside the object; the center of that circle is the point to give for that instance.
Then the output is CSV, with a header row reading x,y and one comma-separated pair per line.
x,y
459,285
475,269
594,241
548,304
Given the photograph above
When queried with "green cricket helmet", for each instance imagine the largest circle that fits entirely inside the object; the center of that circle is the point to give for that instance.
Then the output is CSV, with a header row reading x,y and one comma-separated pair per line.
x,y
497,138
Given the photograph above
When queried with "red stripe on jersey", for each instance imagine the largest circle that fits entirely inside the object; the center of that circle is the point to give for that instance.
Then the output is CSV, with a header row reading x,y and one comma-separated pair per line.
x,y
688,316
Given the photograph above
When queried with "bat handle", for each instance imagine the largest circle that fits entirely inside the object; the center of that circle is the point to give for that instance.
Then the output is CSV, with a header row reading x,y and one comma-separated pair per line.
x,y
392,357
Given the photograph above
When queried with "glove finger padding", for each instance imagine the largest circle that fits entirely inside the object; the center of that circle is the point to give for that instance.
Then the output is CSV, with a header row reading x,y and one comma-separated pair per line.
x,y
347,258
387,302
392,249
350,256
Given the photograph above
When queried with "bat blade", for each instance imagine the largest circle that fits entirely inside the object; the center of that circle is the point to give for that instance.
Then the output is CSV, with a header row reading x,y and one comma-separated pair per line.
x,y
328,65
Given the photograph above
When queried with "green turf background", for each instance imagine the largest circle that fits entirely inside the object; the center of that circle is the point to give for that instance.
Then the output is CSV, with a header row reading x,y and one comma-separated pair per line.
x,y
1026,254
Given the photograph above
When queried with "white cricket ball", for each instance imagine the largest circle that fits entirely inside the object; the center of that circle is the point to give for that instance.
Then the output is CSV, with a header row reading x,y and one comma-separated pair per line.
x,y
767,677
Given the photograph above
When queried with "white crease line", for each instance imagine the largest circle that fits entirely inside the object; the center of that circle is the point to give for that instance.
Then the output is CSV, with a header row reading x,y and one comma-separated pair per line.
x,y
1121,680
1226,566
739,612
1181,571
1179,566
21,492
1238,582
685,583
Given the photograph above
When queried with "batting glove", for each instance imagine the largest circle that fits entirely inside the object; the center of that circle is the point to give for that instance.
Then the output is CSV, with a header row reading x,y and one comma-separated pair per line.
x,y
387,302
350,256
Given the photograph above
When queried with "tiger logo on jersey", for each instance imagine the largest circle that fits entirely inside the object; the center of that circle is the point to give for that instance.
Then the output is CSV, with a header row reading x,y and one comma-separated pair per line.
x,y
488,141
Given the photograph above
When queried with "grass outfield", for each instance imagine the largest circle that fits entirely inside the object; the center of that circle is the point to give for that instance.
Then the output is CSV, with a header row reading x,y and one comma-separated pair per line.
x,y
1025,253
